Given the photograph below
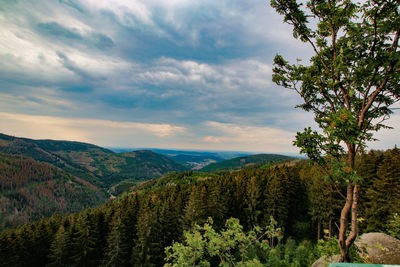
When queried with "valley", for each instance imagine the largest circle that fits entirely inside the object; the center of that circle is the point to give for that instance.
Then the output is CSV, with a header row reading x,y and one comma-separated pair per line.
x,y
41,177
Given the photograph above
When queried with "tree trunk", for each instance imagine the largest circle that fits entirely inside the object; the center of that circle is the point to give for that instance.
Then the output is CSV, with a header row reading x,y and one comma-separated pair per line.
x,y
344,218
319,230
354,206
351,205
330,228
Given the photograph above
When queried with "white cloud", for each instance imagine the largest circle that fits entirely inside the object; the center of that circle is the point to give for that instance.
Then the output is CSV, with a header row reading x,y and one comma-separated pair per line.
x,y
123,9
111,133
23,54
99,65
250,138
102,132
234,74
26,56
35,97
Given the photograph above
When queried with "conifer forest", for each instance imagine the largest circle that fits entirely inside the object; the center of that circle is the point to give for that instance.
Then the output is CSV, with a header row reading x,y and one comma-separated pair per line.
x,y
136,228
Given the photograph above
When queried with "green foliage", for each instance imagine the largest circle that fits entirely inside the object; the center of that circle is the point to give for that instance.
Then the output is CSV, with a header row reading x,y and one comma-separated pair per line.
x,y
383,189
314,145
343,173
328,247
343,126
394,226
240,162
173,179
204,246
123,186
231,246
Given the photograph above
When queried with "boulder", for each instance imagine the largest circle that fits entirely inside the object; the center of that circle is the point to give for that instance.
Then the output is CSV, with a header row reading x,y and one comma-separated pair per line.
x,y
380,248
325,261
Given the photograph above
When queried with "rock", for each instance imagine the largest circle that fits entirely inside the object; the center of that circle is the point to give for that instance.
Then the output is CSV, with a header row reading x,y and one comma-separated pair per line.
x,y
325,261
381,248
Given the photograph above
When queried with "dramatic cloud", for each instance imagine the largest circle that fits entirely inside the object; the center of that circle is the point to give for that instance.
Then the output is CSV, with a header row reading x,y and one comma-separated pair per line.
x,y
198,73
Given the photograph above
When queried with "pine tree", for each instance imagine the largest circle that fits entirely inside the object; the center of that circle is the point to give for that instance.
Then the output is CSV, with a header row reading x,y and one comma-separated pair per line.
x,y
9,254
83,240
113,255
325,200
196,208
147,216
253,205
277,196
368,169
58,250
384,195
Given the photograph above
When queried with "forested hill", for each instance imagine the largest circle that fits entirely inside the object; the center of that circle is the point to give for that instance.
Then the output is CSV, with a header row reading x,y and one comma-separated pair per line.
x,y
95,164
30,190
240,162
135,229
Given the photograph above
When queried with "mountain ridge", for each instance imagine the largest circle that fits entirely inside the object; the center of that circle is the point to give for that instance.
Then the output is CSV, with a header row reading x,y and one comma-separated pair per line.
x,y
240,162
98,165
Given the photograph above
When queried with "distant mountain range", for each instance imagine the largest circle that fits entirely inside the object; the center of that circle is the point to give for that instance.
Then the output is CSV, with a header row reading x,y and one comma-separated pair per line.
x,y
240,162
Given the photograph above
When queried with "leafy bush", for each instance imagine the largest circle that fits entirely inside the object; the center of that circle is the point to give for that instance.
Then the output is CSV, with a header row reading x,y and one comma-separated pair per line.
x,y
204,246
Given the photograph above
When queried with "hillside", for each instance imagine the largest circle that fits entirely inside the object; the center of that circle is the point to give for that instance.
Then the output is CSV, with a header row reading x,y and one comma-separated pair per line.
x,y
144,164
30,190
240,162
134,230
52,152
95,164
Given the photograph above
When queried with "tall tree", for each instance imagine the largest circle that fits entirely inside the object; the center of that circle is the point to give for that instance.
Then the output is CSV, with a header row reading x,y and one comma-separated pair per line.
x,y
349,84
384,194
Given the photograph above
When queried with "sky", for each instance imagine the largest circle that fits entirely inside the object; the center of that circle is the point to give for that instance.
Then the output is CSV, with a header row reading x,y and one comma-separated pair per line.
x,y
177,74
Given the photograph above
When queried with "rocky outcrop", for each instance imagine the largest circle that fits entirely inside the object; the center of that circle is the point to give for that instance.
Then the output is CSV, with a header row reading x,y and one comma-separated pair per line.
x,y
380,248
376,248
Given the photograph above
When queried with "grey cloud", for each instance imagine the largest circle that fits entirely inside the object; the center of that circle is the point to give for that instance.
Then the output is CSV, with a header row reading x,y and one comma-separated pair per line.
x,y
72,4
102,41
87,78
56,30
191,92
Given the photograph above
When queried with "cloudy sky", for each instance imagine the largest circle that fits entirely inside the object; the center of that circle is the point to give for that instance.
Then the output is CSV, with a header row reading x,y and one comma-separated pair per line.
x,y
183,74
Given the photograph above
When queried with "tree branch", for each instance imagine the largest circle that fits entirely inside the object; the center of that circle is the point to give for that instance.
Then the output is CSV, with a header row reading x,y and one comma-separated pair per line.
x,y
383,84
